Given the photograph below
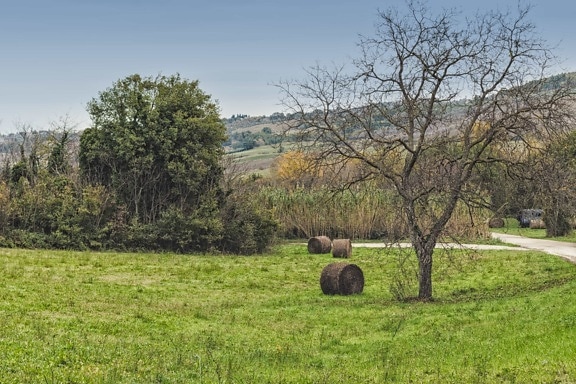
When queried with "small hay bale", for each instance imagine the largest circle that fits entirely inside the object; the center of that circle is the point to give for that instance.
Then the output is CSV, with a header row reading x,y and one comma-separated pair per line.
x,y
319,244
341,279
537,224
341,248
496,222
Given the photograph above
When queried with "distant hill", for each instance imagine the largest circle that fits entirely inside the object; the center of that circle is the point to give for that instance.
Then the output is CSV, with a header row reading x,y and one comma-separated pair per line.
x,y
239,123
246,132
255,141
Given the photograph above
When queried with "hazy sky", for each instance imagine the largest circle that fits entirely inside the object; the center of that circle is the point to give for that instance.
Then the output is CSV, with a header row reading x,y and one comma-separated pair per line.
x,y
56,55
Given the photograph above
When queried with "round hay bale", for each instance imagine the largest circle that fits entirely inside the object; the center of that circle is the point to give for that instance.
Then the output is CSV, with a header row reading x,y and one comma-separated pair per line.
x,y
496,222
341,279
341,248
537,224
319,244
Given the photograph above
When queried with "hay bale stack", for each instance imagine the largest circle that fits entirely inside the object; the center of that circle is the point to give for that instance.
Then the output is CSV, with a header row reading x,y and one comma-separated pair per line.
x,y
537,224
341,248
341,279
496,222
319,244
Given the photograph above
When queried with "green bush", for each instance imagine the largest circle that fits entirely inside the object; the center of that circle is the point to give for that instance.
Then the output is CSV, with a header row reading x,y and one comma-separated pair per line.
x,y
248,229
176,231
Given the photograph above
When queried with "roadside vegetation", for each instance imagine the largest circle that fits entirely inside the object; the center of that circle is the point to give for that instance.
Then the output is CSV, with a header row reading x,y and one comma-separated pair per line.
x,y
85,317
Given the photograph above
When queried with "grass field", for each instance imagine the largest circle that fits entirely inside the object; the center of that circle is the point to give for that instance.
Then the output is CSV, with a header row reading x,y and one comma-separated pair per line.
x,y
257,160
258,153
499,316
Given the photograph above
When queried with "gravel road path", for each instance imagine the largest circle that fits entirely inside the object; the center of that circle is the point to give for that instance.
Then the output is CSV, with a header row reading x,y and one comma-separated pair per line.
x,y
439,245
557,248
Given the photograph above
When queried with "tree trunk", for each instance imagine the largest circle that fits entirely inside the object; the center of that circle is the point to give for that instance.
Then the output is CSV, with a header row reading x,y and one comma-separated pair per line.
x,y
557,223
425,278
424,247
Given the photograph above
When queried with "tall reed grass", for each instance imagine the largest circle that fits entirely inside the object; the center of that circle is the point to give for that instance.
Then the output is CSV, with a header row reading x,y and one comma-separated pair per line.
x,y
358,214
366,212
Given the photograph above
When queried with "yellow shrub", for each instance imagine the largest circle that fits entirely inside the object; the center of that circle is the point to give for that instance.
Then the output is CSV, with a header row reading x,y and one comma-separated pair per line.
x,y
294,167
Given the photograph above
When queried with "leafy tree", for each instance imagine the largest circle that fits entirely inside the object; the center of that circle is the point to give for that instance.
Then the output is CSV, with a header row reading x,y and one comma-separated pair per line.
x,y
248,141
431,94
295,168
157,143
269,137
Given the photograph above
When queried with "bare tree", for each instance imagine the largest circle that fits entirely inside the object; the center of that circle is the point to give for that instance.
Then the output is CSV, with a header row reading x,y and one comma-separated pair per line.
x,y
431,97
63,149
551,174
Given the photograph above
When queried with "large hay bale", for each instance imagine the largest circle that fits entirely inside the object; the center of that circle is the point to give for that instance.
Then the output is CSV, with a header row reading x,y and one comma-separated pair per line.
x,y
537,224
341,279
496,222
341,248
319,244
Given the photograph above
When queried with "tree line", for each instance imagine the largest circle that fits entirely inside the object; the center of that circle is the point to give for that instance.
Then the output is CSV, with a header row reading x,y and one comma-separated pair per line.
x,y
147,175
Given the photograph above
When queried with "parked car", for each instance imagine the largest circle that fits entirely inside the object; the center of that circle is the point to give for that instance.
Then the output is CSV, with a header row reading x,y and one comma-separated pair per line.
x,y
527,215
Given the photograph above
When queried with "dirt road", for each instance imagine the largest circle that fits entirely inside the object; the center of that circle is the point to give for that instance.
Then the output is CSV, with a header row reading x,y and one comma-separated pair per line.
x,y
557,248
439,245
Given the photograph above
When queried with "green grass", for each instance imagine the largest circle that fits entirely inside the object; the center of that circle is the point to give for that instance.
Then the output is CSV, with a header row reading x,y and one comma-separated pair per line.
x,y
258,153
499,316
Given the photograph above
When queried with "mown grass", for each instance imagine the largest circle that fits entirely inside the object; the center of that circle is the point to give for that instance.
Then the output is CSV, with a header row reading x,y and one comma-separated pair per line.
x,y
499,316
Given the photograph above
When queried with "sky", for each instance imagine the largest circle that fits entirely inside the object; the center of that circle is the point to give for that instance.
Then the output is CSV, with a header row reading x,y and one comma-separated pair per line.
x,y
57,55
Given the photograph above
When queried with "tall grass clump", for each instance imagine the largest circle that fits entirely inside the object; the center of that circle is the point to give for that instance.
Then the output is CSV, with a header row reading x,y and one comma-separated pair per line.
x,y
361,213
468,223
364,212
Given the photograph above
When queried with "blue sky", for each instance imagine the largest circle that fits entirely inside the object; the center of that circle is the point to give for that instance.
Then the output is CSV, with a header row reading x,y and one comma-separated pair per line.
x,y
56,55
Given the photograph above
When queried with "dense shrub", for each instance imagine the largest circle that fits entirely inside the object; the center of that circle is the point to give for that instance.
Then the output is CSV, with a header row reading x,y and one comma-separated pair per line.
x,y
248,228
178,232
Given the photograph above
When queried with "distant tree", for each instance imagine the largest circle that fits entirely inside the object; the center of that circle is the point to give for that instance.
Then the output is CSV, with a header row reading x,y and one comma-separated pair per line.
x,y
27,161
157,144
248,140
60,139
432,94
277,116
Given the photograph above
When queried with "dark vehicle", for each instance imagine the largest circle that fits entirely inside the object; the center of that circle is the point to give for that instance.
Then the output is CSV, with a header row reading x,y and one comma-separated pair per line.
x,y
527,215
